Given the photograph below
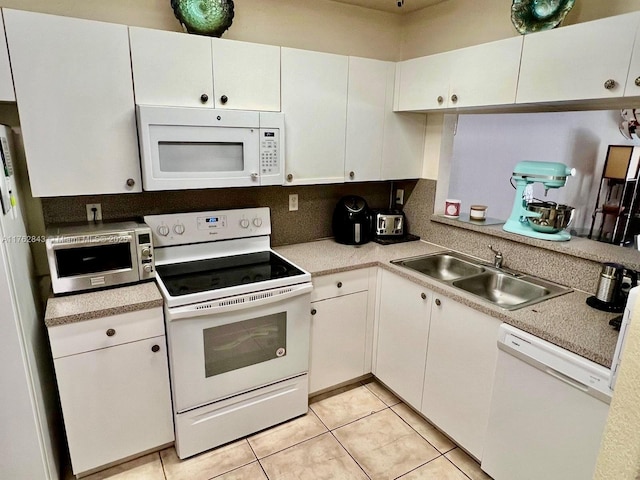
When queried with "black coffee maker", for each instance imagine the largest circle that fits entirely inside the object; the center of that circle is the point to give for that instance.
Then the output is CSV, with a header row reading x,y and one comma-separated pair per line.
x,y
352,221
613,288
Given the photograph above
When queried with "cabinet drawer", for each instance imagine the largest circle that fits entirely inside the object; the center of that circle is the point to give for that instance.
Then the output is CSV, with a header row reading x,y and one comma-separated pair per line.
x,y
337,284
104,332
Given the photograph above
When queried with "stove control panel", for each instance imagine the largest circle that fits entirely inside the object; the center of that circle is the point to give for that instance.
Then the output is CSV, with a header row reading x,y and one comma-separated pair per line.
x,y
197,227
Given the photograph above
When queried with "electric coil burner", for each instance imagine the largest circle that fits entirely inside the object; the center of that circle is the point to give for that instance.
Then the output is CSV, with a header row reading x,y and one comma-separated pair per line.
x,y
237,318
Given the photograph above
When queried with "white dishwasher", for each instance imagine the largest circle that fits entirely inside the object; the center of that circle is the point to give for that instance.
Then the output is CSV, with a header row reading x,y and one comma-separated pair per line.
x,y
548,411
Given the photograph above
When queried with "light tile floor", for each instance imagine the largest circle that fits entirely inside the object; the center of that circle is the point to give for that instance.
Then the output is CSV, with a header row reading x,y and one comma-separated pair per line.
x,y
358,432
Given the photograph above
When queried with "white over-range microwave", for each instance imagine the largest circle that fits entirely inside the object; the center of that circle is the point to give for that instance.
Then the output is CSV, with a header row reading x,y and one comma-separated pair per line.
x,y
183,148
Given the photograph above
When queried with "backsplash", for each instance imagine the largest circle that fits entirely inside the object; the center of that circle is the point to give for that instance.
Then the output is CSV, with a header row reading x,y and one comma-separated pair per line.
x,y
312,220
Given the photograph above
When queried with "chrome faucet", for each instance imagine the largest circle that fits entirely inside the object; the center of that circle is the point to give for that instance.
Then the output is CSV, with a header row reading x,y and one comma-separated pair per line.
x,y
498,258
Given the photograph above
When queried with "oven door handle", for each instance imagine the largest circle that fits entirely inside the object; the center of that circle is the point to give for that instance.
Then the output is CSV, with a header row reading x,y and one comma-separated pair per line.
x,y
249,300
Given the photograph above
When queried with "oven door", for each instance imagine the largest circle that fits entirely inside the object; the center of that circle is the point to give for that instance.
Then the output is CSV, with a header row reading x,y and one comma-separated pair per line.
x,y
236,344
198,148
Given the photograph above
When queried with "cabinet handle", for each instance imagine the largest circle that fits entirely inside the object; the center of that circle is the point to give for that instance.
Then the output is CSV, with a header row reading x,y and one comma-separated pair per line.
x,y
438,302
637,82
351,175
204,98
155,348
224,99
610,84
454,98
313,311
423,296
440,99
130,182
111,332
289,177
339,284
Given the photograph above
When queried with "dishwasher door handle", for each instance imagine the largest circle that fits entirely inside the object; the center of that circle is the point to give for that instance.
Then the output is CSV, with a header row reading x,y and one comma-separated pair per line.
x,y
568,380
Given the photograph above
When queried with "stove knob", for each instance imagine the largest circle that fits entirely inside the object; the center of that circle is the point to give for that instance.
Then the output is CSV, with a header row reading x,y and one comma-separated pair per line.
x,y
163,230
178,228
244,223
146,252
257,222
147,268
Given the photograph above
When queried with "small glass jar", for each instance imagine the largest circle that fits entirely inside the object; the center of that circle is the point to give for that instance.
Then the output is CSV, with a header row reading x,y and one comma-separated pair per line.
x,y
478,212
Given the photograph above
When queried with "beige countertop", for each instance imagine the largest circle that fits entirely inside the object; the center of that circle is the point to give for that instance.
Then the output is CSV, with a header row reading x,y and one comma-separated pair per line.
x,y
566,321
102,303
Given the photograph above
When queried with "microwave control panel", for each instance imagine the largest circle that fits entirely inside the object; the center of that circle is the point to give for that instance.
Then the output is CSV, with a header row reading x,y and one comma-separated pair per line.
x,y
269,151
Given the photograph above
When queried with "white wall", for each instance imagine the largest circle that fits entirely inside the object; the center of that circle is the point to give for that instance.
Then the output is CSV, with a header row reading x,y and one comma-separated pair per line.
x,y
486,148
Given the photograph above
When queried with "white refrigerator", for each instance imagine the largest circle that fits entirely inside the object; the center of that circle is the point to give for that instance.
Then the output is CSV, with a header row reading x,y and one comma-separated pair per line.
x,y
28,400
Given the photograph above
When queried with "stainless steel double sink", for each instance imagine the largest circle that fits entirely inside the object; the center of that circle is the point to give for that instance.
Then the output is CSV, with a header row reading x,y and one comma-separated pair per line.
x,y
506,289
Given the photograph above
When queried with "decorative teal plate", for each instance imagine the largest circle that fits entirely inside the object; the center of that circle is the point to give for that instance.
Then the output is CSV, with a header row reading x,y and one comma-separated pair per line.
x,y
204,17
530,16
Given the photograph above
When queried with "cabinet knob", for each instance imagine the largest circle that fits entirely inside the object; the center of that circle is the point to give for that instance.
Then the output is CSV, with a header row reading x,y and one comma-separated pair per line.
x,y
454,98
224,99
289,177
155,348
111,332
130,182
438,302
352,174
440,99
313,311
204,98
423,296
610,84
637,81
339,284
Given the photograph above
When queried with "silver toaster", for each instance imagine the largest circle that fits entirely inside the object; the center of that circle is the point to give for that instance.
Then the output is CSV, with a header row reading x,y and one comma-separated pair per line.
x,y
389,224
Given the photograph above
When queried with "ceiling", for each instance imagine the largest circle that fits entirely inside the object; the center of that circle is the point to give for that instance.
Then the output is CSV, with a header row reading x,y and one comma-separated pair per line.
x,y
392,5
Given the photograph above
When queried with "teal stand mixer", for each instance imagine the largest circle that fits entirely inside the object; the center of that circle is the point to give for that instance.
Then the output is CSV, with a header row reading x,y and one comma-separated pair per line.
x,y
543,220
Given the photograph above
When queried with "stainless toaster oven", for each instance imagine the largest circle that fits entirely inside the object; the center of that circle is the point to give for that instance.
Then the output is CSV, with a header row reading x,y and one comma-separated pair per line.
x,y
90,256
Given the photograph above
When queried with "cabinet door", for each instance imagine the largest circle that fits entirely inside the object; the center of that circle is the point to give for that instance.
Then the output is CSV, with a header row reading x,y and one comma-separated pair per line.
x,y
171,69
485,74
314,103
115,402
424,83
365,118
75,101
632,88
246,76
403,331
338,328
575,62
461,361
6,80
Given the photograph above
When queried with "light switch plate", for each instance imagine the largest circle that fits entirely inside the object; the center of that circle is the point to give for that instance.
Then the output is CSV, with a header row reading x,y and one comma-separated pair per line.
x,y
400,196
293,202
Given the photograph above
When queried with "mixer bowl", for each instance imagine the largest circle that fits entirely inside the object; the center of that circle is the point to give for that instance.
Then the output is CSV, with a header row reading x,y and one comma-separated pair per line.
x,y
553,217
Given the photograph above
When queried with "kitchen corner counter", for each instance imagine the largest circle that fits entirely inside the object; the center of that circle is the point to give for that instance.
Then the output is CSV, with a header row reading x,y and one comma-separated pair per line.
x,y
103,303
566,321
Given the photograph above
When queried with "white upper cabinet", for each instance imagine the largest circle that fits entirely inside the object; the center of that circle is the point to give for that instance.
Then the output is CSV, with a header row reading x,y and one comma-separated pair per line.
x,y
246,76
381,144
584,61
314,103
181,70
424,82
633,80
6,80
75,101
481,75
485,74
170,68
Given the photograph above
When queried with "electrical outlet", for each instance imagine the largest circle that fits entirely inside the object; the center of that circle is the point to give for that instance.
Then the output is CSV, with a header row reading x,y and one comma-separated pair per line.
x,y
293,202
400,196
91,216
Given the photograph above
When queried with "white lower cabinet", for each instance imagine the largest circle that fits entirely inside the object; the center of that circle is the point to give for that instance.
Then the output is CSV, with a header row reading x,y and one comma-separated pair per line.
x,y
403,331
113,380
341,328
461,361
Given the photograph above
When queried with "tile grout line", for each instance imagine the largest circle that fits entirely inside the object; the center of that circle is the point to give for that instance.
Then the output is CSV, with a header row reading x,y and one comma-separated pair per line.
x,y
257,459
349,453
164,472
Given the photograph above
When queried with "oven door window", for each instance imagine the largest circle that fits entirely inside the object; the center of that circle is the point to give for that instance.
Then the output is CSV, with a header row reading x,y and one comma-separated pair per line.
x,y
96,259
241,344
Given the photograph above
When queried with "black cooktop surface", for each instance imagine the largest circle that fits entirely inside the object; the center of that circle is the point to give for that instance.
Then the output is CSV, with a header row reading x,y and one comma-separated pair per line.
x,y
216,273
